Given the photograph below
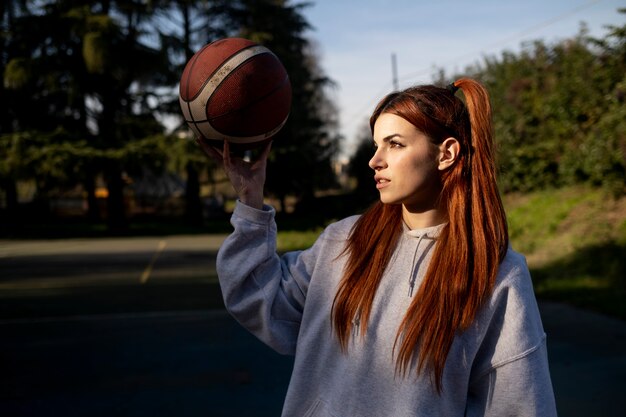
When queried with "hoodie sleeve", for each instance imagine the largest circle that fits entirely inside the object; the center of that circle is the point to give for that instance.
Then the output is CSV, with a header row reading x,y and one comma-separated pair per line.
x,y
511,375
521,387
264,292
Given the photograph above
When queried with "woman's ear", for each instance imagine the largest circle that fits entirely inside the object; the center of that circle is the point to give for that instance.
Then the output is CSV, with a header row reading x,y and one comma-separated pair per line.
x,y
448,152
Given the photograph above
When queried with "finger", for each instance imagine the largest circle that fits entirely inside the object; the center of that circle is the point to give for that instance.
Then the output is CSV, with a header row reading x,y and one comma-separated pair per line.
x,y
211,151
266,150
226,154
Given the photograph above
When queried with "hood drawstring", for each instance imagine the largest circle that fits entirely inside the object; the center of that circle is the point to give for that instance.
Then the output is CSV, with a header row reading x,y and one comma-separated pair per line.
x,y
356,324
415,263
431,234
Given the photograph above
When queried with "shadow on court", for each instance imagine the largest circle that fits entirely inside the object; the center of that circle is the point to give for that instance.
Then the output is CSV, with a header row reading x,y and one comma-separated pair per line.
x,y
136,327
172,364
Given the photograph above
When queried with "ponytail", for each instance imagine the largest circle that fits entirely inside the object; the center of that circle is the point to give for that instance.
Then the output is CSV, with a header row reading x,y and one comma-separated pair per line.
x,y
465,262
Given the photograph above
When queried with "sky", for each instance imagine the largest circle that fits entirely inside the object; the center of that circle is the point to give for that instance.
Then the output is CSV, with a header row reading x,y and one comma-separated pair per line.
x,y
355,41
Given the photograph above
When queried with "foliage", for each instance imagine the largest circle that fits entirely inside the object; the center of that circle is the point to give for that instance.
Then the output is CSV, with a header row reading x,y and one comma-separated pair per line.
x,y
302,152
56,159
559,112
86,85
101,76
603,150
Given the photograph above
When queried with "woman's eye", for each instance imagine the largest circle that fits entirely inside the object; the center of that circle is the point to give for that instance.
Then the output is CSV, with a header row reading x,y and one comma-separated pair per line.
x,y
395,144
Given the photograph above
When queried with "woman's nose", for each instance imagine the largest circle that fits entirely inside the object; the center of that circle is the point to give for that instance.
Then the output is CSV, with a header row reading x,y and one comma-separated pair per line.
x,y
377,162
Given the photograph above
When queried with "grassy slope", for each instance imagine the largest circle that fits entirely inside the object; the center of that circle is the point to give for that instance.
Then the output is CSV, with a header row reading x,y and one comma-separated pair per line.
x,y
575,243
573,238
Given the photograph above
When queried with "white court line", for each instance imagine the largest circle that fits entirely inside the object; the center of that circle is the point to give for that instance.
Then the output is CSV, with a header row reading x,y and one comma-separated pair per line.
x,y
180,314
146,273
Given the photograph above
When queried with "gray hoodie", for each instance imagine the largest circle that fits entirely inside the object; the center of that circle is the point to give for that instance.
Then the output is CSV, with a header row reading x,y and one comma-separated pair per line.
x,y
497,367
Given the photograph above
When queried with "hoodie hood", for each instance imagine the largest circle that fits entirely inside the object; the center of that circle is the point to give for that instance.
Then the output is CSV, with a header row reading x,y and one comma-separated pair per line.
x,y
426,238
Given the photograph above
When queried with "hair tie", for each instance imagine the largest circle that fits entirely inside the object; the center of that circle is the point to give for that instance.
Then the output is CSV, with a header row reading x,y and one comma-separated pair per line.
x,y
453,88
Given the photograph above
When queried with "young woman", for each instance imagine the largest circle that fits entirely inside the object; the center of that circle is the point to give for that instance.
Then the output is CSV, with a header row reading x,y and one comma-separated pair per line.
x,y
418,307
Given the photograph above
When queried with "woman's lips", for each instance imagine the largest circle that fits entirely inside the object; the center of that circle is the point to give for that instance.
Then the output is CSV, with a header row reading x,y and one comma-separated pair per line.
x,y
381,182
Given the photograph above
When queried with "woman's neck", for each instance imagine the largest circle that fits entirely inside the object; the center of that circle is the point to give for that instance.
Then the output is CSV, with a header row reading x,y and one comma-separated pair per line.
x,y
422,219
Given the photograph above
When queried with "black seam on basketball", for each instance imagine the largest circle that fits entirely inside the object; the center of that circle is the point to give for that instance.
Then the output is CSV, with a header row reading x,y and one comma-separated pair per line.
x,y
188,102
192,119
222,66
285,81
191,114
193,63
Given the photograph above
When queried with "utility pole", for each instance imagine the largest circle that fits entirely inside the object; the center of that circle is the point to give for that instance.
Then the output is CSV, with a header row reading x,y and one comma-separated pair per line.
x,y
394,71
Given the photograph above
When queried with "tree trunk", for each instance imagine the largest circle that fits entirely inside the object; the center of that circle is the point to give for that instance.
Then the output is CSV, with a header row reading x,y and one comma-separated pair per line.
x,y
116,212
93,210
11,221
193,208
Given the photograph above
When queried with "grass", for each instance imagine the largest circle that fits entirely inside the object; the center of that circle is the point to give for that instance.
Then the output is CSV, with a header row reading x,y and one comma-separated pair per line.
x,y
535,218
296,240
574,240
575,243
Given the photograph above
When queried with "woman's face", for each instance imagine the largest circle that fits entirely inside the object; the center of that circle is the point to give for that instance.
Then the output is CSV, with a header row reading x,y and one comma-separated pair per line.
x,y
405,164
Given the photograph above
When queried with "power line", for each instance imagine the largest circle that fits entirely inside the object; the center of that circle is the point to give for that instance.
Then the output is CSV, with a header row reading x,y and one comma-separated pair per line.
x,y
490,46
511,38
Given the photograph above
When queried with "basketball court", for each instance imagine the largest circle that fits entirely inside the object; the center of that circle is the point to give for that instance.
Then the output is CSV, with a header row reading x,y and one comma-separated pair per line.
x,y
136,326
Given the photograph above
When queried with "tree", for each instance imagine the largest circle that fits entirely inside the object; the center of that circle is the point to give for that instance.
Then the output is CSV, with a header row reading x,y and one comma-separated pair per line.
x,y
602,156
43,77
359,170
88,73
303,150
558,111
9,12
100,76
193,24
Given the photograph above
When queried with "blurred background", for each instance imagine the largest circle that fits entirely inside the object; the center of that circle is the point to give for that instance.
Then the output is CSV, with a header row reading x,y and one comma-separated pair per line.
x,y
92,142
92,145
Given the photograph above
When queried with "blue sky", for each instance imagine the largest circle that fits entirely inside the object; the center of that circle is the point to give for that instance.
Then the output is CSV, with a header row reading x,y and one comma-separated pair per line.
x,y
356,38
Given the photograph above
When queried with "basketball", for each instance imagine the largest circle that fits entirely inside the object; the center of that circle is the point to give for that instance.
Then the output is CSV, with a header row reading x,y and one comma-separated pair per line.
x,y
236,90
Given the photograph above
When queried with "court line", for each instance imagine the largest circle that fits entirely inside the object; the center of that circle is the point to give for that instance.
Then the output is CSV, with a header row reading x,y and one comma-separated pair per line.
x,y
171,314
146,273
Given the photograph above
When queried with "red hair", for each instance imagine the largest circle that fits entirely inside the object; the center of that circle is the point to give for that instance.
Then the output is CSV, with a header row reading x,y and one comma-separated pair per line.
x,y
471,246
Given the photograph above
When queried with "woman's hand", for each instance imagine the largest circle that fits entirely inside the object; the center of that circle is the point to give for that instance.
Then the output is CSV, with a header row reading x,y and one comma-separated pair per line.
x,y
246,177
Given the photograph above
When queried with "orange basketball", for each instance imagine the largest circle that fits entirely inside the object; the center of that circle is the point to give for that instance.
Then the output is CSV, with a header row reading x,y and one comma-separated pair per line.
x,y
236,90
